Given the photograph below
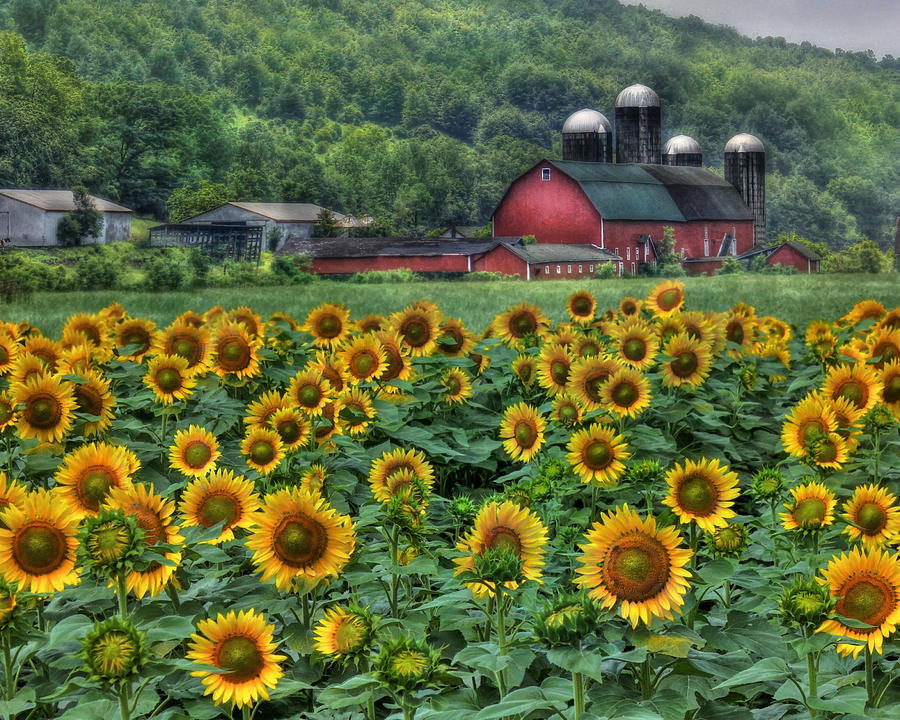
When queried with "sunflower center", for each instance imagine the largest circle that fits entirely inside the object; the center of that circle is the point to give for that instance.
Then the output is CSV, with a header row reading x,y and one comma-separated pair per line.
x,y
169,380
289,430
854,392
684,364
6,413
453,385
39,548
503,538
141,339
589,349
582,306
697,495
525,371
567,414
183,347
637,568
635,349
197,454
43,411
734,331
309,395
827,452
149,522
234,354
394,363
299,541
559,371
112,654
241,656
628,308
416,331
262,452
348,635
451,341
108,543
892,390
868,600
625,394
408,662
88,399
812,430
217,507
4,355
526,434
329,326
364,364
871,518
810,512
669,299
94,487
598,455
522,324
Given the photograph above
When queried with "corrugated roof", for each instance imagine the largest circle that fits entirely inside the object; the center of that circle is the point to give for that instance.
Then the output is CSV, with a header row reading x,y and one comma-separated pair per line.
x,y
59,200
772,249
285,212
373,247
665,193
555,252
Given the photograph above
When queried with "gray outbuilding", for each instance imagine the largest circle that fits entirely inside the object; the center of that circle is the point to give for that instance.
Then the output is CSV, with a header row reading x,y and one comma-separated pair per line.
x,y
29,218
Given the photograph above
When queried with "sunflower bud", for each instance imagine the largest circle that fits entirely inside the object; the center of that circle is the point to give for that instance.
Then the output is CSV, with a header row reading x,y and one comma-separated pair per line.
x,y
805,603
8,604
519,494
462,510
566,620
748,376
405,664
728,541
768,484
646,473
111,542
499,565
114,652
879,418
345,635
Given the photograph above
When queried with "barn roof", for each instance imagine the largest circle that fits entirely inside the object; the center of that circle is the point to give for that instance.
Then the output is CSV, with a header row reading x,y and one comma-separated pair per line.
x,y
771,249
59,200
538,253
632,191
373,247
279,212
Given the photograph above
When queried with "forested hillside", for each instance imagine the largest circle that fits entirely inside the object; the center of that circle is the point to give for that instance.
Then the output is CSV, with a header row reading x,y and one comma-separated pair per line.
x,y
420,111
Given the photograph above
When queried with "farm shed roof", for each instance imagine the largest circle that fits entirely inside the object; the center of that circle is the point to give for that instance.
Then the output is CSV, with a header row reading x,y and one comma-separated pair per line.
x,y
279,212
59,200
372,247
633,191
770,249
554,252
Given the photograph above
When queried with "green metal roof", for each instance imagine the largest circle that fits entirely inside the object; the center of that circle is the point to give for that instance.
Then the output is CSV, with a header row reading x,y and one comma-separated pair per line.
x,y
655,192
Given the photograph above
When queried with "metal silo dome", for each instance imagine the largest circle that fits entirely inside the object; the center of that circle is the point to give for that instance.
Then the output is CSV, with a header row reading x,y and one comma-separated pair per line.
x,y
637,96
745,142
682,145
586,121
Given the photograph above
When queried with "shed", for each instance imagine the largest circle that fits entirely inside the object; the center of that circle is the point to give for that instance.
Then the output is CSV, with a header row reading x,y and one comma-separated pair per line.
x,y
29,218
791,253
546,261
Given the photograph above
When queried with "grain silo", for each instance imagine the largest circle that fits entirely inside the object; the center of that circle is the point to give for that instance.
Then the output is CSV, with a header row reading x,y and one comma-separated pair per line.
x,y
745,168
683,151
587,137
638,126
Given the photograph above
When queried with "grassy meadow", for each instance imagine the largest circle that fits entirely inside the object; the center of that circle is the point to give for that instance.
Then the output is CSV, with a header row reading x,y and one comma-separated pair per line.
x,y
797,299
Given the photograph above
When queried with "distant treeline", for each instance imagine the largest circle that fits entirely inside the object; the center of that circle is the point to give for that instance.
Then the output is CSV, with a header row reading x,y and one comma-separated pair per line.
x,y
420,112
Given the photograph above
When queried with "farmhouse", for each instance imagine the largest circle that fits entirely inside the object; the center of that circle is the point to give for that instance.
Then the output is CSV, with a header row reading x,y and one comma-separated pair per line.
x,y
29,218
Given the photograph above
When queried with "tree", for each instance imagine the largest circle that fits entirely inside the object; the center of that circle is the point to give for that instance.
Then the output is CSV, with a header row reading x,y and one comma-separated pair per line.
x,y
326,225
185,202
81,223
863,257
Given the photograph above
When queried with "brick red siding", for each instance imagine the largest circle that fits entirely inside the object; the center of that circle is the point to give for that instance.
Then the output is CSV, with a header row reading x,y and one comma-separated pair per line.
x,y
786,255
538,271
500,259
437,263
710,267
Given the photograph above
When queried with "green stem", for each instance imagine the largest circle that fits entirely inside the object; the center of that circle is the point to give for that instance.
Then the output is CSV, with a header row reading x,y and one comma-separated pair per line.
x,y
395,579
122,594
876,454
501,635
646,679
173,596
727,593
813,691
693,532
578,691
870,677
7,664
123,702
370,707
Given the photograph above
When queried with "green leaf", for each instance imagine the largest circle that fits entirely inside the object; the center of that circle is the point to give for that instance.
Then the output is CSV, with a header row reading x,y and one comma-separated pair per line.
x,y
23,700
586,662
717,571
770,668
523,701
848,700
169,627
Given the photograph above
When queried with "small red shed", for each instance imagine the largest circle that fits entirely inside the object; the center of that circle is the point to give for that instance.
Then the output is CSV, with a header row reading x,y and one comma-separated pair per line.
x,y
791,253
546,261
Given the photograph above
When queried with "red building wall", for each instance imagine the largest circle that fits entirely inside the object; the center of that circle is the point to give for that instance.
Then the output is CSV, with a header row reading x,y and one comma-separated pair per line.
x,y
560,271
786,255
436,263
710,267
500,260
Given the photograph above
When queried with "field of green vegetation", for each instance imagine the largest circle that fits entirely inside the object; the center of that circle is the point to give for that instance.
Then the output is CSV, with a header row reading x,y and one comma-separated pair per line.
x,y
796,299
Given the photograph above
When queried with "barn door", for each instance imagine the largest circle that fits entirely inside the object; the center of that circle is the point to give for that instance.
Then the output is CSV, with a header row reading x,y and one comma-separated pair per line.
x,y
4,228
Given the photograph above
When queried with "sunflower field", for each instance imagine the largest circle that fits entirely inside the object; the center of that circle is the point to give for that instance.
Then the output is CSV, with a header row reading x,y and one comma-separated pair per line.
x,y
645,512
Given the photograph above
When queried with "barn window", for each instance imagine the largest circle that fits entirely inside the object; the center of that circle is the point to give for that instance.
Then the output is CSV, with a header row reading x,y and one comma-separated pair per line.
x,y
621,268
545,173
579,269
706,247
591,269
546,269
570,269
558,270
628,253
632,268
646,251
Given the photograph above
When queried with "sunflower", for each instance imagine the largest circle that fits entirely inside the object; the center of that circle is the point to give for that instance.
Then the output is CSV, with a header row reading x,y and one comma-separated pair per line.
x,y
394,460
188,341
519,321
372,323
298,535
810,419
38,543
457,385
581,307
697,325
364,358
418,327
504,526
702,491
94,398
261,410
332,368
9,351
25,367
666,298
356,410
252,321
211,317
690,362
522,431
867,585
75,359
634,343
312,480
328,323
113,313
94,328
8,413
872,515
44,348
115,652
153,514
626,558
235,351
309,391
587,378
596,454
858,383
566,410
194,451
587,346
11,493
811,509
343,633
454,340
847,416
87,475
169,378
890,383
241,647
553,367
863,310
630,306
329,423
49,403
829,451
626,393
525,368
262,450
291,426
221,497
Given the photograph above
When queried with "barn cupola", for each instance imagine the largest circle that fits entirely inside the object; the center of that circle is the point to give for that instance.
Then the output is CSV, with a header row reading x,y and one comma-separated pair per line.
x,y
682,151
745,168
638,126
587,137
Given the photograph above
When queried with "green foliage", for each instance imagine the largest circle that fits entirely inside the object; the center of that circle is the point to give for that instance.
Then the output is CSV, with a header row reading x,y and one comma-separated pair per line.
x,y
169,269
382,277
529,239
731,266
863,257
605,271
326,225
96,270
485,276
185,202
82,223
293,269
21,275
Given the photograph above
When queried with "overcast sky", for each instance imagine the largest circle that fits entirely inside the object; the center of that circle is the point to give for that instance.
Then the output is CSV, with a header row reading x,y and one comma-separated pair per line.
x,y
848,24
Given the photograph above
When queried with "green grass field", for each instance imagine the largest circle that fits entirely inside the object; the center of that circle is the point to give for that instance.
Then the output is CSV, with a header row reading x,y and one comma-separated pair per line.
x,y
796,299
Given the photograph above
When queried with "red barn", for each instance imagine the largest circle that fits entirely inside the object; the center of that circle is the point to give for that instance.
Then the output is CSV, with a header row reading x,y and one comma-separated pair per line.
x,y
791,253
623,208
545,261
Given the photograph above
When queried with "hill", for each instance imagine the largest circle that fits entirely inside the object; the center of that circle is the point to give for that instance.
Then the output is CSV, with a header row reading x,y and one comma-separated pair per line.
x,y
421,111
